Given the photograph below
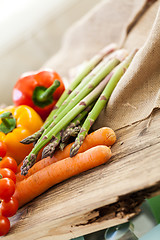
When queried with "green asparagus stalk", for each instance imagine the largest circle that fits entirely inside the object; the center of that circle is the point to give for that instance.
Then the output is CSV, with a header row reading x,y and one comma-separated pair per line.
x,y
51,147
86,90
71,132
74,133
76,122
100,104
84,82
91,97
121,55
62,145
87,69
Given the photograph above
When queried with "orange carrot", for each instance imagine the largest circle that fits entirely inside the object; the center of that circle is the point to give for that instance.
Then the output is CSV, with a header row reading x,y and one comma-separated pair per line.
x,y
103,136
42,180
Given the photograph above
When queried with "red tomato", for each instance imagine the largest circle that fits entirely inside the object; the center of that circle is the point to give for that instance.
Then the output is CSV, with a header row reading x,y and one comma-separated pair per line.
x,y
3,149
9,207
8,173
7,188
9,162
4,225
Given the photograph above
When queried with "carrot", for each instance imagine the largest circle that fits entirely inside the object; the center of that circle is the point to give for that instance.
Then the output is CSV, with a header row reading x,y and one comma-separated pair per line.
x,y
42,180
103,136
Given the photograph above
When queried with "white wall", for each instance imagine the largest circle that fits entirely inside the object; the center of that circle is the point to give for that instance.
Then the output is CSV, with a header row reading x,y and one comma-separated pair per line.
x,y
31,32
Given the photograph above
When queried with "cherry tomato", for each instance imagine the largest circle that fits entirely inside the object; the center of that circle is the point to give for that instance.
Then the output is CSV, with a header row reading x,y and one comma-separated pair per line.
x,y
9,207
4,225
9,162
7,188
3,149
7,173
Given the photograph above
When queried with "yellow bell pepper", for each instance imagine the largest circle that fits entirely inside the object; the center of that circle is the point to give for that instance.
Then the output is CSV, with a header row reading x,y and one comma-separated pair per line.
x,y
17,123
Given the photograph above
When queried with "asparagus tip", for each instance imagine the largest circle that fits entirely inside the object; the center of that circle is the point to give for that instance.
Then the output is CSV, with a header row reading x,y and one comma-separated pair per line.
x,y
28,163
50,148
27,140
70,132
46,152
74,149
32,138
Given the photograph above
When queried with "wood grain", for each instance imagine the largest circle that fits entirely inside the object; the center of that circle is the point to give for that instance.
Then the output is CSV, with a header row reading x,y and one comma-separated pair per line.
x,y
102,197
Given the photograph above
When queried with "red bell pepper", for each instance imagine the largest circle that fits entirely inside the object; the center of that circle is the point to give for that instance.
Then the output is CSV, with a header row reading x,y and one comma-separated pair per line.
x,y
39,90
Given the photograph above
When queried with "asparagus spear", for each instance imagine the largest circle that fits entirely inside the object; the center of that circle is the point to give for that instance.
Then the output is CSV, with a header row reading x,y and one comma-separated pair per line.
x,y
49,152
73,133
121,55
91,97
84,91
87,89
87,69
89,66
69,130
51,147
62,145
101,102
84,82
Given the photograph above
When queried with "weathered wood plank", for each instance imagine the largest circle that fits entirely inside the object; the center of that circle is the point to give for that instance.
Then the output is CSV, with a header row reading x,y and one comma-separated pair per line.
x,y
102,197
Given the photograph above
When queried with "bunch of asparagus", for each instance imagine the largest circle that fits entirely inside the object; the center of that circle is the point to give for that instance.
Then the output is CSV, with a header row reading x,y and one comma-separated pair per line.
x,y
79,105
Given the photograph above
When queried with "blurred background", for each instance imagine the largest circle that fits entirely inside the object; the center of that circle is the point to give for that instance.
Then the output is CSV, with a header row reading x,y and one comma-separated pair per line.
x,y
31,32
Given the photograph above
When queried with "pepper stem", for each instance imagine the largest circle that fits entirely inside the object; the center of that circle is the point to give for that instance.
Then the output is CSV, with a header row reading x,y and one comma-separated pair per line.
x,y
5,118
1,176
49,91
43,96
8,122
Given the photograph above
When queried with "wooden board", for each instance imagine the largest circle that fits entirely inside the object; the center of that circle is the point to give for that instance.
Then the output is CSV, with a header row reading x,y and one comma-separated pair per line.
x,y
102,197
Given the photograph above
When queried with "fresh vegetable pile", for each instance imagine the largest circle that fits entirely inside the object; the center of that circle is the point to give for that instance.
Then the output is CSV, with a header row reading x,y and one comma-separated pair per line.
x,y
91,88
62,141
73,116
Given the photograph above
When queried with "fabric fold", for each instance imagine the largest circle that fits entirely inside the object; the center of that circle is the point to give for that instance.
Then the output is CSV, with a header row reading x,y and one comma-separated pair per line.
x,y
137,93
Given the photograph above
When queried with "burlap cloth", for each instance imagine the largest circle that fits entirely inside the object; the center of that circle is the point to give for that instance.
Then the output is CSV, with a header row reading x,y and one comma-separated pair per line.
x,y
130,24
